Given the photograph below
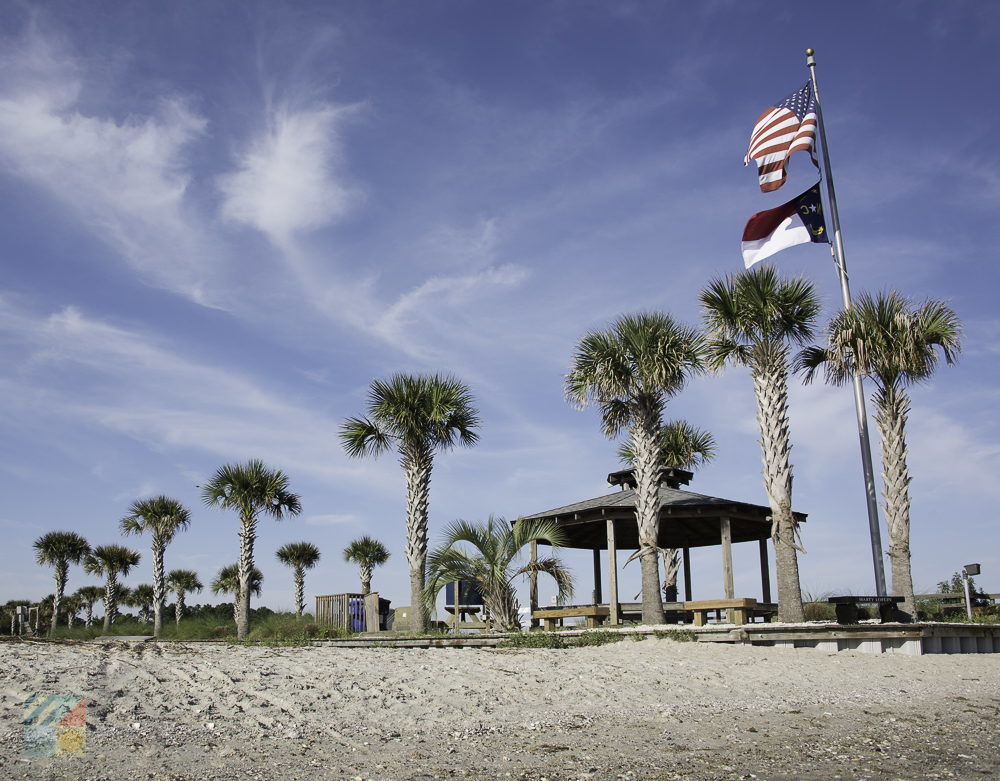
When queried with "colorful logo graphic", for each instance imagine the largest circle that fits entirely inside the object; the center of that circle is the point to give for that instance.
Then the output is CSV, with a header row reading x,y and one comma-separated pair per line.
x,y
54,725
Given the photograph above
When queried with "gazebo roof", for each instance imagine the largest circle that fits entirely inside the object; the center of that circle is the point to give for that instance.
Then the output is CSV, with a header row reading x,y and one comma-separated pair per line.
x,y
687,520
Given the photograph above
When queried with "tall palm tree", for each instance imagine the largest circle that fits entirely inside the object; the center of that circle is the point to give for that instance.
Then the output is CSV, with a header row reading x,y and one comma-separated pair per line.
x,y
300,556
682,446
251,489
418,415
162,517
492,563
367,553
182,582
892,342
228,581
629,371
140,597
110,562
88,596
753,318
59,550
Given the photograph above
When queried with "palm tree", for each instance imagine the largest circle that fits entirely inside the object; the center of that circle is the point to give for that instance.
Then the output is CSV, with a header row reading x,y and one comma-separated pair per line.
x,y
88,596
300,556
682,446
629,371
110,561
418,415
181,582
59,550
72,603
492,563
367,553
163,517
140,597
228,581
250,489
753,317
889,340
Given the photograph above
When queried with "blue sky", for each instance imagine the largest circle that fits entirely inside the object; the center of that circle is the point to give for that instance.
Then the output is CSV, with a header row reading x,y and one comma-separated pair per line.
x,y
221,220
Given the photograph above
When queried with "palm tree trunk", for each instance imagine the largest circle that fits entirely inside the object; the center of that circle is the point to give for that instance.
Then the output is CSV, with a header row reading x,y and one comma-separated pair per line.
x,y
300,590
671,564
179,606
645,443
770,384
893,407
62,572
418,481
158,584
90,614
501,604
366,579
110,601
248,536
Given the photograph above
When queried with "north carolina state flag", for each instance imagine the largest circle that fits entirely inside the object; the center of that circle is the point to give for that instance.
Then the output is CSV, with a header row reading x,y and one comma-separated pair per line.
x,y
797,222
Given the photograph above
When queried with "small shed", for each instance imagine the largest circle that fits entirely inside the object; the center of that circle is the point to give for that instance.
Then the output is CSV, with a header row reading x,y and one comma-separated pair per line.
x,y
687,520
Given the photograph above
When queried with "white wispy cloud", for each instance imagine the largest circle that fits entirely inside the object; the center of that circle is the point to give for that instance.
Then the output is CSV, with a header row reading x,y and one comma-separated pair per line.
x,y
287,179
124,177
131,383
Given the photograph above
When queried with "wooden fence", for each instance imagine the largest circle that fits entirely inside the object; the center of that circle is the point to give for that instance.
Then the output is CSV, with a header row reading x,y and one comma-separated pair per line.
x,y
350,612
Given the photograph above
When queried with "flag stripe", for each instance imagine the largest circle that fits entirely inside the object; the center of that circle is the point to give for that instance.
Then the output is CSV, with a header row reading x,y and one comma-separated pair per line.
x,y
788,127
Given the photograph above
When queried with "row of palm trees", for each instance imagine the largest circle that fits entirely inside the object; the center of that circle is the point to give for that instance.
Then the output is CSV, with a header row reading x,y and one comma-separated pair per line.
x,y
252,489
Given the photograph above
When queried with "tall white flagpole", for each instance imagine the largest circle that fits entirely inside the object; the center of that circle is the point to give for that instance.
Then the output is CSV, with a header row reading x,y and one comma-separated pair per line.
x,y
837,248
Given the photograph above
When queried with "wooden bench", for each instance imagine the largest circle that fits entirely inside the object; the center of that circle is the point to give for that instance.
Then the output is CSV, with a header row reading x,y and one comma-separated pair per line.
x,y
592,614
847,607
738,610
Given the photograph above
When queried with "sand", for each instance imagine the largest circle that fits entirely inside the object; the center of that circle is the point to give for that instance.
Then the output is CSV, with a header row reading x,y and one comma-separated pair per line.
x,y
631,710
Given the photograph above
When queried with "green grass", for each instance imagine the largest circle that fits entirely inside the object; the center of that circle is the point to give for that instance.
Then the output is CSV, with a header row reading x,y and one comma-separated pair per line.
x,y
539,639
677,635
280,628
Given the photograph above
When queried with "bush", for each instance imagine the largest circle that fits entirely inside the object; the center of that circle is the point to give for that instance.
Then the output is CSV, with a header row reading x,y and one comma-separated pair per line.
x,y
677,635
598,638
532,640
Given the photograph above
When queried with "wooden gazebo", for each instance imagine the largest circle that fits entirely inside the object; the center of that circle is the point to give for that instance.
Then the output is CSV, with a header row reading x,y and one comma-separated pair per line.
x,y
687,520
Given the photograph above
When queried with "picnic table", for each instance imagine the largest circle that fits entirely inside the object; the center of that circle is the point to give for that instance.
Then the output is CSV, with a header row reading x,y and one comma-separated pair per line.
x,y
847,607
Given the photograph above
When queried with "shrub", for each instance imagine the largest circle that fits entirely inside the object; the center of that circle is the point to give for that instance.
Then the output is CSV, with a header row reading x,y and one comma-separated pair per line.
x,y
532,640
598,638
677,635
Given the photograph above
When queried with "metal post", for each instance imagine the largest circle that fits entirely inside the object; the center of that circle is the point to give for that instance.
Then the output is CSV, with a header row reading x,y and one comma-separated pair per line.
x,y
968,594
837,248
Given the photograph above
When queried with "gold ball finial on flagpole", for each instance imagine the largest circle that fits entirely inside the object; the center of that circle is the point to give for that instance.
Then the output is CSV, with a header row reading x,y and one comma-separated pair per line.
x,y
809,52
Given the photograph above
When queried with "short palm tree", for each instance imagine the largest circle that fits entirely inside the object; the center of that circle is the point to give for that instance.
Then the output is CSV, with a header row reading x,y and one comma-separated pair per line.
x,y
682,446
59,550
753,318
228,581
71,603
140,597
418,415
367,553
110,562
88,596
300,556
162,517
251,489
629,371
890,341
492,563
182,582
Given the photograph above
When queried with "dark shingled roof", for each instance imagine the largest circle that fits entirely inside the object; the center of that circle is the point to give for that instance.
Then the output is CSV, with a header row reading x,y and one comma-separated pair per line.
x,y
687,520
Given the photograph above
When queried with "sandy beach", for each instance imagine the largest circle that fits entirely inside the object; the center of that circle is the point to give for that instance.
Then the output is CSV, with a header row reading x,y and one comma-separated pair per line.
x,y
632,710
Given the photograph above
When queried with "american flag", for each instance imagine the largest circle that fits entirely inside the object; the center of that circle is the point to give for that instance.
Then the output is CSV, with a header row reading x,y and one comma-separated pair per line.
x,y
787,127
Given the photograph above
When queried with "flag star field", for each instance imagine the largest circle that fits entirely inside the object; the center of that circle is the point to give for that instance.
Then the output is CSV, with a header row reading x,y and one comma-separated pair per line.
x,y
220,221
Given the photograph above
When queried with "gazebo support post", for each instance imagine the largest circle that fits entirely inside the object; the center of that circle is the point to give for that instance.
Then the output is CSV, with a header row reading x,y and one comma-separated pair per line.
x,y
613,616
598,596
727,558
765,572
687,575
533,586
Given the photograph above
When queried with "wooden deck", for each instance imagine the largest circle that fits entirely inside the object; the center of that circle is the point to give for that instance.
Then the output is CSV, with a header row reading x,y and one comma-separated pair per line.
x,y
738,611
